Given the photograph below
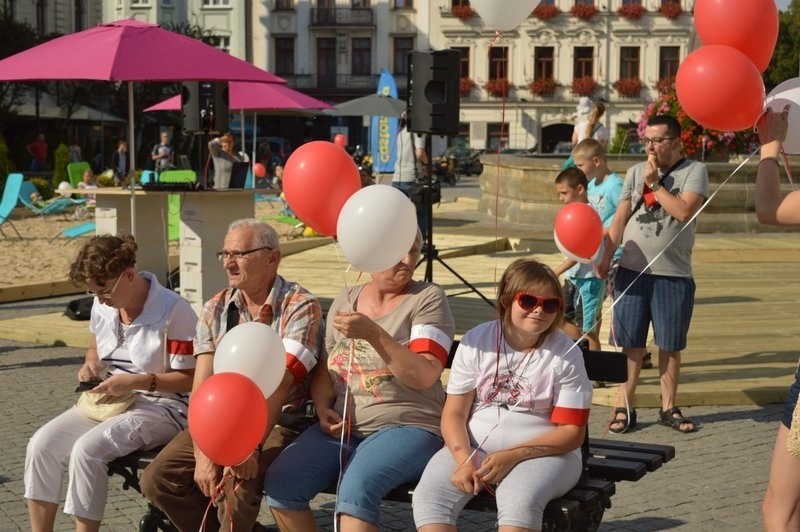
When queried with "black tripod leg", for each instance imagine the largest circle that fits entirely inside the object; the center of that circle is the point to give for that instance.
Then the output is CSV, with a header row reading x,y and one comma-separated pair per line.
x,y
460,278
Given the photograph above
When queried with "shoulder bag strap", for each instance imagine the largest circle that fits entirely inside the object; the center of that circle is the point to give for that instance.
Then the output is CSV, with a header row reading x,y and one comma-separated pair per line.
x,y
660,180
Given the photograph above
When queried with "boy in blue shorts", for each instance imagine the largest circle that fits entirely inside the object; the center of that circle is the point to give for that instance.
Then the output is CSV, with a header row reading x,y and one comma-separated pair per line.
x,y
583,290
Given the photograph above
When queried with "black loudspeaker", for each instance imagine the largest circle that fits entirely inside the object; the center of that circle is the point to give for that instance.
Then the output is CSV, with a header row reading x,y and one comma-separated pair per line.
x,y
205,106
190,96
433,92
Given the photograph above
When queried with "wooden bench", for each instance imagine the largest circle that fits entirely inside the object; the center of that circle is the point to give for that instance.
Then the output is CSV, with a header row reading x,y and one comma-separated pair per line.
x,y
581,509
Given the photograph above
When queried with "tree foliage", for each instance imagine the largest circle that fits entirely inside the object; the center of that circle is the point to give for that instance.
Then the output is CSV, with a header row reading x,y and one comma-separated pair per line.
x,y
784,64
14,37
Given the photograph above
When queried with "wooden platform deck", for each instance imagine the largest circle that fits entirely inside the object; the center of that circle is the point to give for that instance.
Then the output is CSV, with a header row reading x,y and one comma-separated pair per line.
x,y
743,344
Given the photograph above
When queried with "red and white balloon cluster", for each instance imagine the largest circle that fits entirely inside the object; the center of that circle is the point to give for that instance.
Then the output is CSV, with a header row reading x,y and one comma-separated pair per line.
x,y
719,85
375,225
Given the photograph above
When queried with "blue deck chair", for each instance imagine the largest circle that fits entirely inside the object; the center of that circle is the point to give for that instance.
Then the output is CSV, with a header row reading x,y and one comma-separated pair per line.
x,y
59,206
148,176
9,201
76,230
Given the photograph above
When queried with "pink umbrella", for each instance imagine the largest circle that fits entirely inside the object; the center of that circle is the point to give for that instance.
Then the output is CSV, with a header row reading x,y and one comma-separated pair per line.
x,y
248,96
129,50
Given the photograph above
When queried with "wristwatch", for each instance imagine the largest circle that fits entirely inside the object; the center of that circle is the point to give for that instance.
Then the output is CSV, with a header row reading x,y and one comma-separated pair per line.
x,y
655,186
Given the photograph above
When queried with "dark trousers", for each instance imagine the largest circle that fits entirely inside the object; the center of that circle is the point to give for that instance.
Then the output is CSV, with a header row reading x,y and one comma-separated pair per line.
x,y
168,483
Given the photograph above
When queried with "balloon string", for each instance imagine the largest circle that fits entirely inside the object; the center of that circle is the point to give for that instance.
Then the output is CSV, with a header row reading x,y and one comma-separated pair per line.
x,y
497,36
344,450
217,491
788,168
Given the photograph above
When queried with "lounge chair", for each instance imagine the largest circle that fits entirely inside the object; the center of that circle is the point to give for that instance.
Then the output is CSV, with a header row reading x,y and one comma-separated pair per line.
x,y
9,201
75,172
58,206
76,230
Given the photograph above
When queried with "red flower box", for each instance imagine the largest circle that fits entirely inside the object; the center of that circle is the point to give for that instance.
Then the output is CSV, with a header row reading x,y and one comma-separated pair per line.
x,y
462,12
543,12
543,86
671,10
497,87
632,11
584,86
630,87
465,86
666,84
583,11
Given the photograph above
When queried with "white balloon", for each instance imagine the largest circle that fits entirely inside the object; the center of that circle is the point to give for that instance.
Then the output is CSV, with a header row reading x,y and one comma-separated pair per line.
x,y
788,92
254,350
504,15
376,227
570,255
64,189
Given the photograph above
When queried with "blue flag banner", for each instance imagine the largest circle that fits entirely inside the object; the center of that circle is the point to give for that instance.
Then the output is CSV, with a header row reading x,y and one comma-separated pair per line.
x,y
383,130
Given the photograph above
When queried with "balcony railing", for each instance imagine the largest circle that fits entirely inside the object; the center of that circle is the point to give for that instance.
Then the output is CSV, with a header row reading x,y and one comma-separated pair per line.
x,y
342,17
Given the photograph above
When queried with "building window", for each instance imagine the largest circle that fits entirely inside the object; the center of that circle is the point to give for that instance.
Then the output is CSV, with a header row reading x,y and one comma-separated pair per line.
x,y
166,3
497,136
665,2
547,3
211,3
78,15
463,68
402,47
668,61
584,62
360,4
629,62
543,62
41,15
498,62
584,2
457,3
362,56
140,3
403,4
224,42
326,62
283,5
631,2
284,55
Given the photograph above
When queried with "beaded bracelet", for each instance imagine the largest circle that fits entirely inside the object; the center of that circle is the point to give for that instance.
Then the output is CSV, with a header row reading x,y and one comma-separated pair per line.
x,y
153,382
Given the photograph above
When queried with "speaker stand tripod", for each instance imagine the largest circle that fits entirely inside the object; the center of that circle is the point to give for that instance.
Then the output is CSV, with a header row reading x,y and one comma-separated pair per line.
x,y
429,251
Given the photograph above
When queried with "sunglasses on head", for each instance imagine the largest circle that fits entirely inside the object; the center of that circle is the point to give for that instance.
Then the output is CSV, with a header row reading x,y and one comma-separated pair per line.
x,y
529,302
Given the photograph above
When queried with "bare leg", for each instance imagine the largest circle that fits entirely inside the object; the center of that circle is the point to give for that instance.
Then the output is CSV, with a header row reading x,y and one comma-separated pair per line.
x,y
781,507
354,524
635,356
507,528
86,525
437,527
669,369
294,520
42,515
571,330
594,339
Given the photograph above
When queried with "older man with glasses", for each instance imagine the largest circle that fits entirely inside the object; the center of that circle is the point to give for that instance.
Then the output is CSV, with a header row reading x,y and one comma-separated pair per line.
x,y
182,481
655,224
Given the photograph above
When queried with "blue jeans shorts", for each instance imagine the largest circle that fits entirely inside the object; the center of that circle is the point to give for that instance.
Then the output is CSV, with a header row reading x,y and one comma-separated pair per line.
x,y
583,299
665,301
375,465
791,400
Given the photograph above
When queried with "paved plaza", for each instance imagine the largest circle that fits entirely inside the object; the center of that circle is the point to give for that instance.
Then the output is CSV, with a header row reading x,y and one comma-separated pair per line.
x,y
714,483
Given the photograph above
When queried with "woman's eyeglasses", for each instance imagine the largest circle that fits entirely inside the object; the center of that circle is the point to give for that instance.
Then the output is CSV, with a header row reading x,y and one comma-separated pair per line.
x,y
107,294
529,302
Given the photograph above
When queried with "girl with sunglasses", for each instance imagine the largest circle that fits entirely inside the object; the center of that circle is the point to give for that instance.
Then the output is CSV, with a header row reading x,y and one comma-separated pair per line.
x,y
517,402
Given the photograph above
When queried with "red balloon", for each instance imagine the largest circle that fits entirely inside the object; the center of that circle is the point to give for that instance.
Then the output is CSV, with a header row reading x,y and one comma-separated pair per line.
x,y
750,26
340,140
259,170
720,88
227,417
318,179
578,231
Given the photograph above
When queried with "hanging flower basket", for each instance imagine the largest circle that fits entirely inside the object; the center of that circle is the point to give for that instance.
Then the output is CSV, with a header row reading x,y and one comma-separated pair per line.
x,y
666,84
465,86
584,86
583,11
544,12
543,86
462,12
497,87
630,87
671,10
632,11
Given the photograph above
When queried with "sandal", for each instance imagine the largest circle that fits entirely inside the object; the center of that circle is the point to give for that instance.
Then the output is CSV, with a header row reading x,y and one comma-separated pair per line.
x,y
647,361
627,423
674,418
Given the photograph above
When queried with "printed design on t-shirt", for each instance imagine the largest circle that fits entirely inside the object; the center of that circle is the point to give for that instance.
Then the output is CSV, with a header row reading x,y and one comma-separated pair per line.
x,y
368,370
509,389
651,221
